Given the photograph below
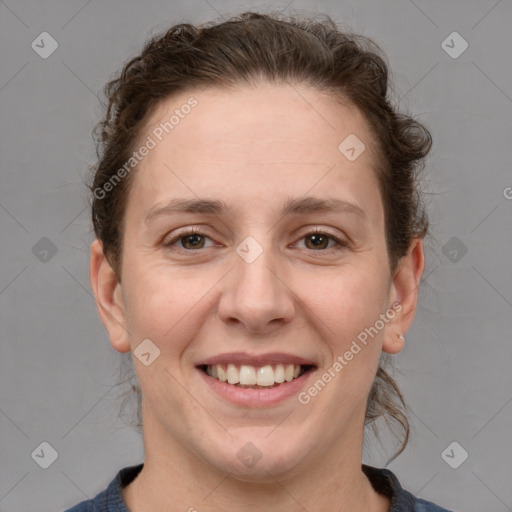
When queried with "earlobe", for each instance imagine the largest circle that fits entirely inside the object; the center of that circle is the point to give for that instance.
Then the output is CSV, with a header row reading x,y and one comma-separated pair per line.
x,y
393,343
404,291
109,300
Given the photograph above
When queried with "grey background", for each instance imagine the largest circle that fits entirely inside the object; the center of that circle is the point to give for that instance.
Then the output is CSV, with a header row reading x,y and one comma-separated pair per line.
x,y
57,366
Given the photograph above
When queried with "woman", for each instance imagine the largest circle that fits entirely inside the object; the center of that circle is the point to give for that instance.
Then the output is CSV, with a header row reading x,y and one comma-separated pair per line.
x,y
259,249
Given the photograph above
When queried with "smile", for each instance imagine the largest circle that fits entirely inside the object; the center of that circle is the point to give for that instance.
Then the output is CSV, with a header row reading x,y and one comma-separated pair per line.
x,y
249,380
253,377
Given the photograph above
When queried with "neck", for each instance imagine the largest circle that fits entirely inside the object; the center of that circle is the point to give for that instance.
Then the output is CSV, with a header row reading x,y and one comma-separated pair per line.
x,y
173,479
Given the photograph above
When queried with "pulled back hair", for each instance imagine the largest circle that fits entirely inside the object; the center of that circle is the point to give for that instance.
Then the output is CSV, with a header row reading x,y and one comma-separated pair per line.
x,y
246,50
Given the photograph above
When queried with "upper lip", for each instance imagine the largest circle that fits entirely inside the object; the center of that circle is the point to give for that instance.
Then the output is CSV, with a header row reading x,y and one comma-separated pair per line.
x,y
240,358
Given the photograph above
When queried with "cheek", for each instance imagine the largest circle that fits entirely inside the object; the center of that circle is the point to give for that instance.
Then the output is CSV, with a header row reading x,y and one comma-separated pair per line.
x,y
161,306
346,302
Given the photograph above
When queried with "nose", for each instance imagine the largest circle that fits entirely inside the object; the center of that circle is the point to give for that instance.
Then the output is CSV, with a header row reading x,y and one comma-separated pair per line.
x,y
255,295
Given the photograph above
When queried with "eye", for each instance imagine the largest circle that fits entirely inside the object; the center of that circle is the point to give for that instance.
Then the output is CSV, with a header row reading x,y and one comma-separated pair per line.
x,y
190,240
193,239
319,241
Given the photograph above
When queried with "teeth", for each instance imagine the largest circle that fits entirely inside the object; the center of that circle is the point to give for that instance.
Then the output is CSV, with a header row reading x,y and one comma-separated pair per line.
x,y
247,375
265,376
288,372
221,374
279,373
233,374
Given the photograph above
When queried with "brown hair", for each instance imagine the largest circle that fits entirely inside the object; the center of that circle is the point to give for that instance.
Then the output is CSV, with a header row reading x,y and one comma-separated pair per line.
x,y
247,49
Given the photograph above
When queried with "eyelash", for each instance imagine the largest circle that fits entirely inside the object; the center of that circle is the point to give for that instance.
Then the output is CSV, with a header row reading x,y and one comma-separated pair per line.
x,y
196,231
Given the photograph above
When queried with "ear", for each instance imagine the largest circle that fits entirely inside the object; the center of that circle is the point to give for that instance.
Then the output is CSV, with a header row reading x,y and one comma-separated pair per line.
x,y
109,299
404,294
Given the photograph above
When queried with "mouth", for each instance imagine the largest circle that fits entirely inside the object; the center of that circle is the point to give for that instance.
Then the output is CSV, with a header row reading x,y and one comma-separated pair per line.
x,y
256,380
246,376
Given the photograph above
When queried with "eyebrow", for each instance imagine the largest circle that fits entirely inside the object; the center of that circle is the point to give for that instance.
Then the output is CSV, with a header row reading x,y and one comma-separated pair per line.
x,y
294,206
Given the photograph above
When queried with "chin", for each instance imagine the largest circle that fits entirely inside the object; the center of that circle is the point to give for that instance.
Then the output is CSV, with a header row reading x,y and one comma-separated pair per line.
x,y
260,459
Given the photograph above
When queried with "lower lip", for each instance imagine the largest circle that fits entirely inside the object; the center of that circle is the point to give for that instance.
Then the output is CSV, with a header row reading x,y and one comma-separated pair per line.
x,y
257,397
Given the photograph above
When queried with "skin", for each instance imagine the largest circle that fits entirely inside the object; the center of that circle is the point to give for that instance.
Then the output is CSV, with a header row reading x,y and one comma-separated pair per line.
x,y
254,148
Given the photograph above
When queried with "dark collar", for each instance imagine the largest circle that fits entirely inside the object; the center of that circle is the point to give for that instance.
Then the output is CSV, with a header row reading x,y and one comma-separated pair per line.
x,y
382,480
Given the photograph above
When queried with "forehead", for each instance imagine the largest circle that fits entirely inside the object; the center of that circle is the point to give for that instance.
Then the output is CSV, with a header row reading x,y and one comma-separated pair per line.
x,y
249,144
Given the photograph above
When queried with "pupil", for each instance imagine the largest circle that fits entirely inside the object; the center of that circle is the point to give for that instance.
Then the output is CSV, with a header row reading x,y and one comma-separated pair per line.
x,y
318,238
188,239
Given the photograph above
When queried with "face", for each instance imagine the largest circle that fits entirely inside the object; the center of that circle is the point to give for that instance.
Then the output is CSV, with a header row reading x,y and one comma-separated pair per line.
x,y
278,266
